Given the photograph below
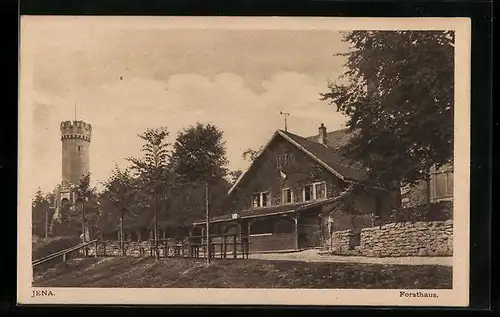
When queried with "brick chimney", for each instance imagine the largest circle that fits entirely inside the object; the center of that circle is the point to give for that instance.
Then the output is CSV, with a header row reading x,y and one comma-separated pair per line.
x,y
322,134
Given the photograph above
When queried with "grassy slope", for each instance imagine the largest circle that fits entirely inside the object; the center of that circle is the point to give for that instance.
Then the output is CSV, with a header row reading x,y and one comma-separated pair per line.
x,y
148,272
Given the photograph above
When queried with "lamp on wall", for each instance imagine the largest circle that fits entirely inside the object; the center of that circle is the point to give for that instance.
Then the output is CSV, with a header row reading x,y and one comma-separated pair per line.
x,y
235,215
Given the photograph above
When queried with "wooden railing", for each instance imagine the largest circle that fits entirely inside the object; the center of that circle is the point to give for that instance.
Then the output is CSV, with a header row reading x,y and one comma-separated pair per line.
x,y
63,253
229,247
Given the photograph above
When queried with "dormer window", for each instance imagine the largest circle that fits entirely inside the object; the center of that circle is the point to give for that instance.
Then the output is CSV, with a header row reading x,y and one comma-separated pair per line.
x,y
285,159
262,199
314,191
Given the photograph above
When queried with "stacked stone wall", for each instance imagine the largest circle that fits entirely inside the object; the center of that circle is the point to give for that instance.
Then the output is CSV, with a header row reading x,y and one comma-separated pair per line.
x,y
407,239
340,242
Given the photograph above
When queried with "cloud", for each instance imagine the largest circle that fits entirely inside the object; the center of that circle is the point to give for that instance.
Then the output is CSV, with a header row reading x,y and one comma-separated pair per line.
x,y
121,109
124,80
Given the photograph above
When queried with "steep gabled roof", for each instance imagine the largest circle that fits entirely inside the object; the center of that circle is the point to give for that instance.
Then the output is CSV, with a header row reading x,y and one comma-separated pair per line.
x,y
327,157
335,139
346,168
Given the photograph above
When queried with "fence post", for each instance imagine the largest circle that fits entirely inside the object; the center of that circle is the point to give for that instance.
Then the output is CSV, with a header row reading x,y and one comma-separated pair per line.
x,y
104,247
96,248
223,247
234,247
247,246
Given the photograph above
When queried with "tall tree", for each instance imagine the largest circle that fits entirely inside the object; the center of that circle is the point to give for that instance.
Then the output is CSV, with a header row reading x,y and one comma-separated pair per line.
x,y
199,160
41,213
152,170
249,155
83,194
199,154
120,189
397,91
234,175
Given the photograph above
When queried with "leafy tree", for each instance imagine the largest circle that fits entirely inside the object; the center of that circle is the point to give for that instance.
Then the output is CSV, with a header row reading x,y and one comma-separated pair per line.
x,y
249,155
152,170
121,191
83,193
199,154
199,160
41,212
234,175
397,91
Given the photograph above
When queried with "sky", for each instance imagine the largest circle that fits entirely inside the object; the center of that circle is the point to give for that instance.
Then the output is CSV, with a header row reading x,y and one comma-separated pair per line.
x,y
124,80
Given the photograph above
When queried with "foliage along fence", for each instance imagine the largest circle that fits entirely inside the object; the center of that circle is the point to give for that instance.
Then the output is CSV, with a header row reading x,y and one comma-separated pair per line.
x,y
44,247
441,211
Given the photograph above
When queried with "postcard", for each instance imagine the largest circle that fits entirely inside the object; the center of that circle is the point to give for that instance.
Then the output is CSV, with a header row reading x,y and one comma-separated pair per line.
x,y
244,161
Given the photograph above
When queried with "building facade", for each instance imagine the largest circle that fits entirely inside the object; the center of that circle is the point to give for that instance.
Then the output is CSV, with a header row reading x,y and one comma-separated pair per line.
x,y
296,192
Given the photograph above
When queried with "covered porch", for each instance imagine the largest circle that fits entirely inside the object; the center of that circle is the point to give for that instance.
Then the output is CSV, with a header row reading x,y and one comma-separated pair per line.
x,y
290,227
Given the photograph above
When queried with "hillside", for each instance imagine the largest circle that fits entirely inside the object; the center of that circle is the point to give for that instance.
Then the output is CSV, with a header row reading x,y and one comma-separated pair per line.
x,y
179,273
42,247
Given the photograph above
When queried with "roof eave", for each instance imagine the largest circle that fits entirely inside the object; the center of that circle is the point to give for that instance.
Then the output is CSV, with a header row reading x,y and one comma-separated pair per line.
x,y
303,149
249,167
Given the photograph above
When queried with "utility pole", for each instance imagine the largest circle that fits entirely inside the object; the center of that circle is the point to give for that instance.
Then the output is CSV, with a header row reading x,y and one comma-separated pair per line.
x,y
207,220
284,114
46,223
83,221
155,231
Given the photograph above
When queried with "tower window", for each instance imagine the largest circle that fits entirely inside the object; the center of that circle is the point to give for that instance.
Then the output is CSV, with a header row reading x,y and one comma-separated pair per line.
x,y
79,148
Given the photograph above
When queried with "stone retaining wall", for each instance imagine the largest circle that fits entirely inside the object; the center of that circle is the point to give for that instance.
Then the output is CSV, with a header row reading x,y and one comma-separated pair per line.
x,y
433,238
341,241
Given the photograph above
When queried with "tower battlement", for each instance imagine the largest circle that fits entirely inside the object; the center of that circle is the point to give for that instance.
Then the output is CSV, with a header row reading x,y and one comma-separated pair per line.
x,y
76,130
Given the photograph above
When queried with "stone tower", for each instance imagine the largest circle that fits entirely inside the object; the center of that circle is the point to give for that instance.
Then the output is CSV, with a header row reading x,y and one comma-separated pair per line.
x,y
75,139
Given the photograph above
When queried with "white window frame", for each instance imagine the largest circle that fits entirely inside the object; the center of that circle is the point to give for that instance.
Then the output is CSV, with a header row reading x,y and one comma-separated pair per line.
x,y
261,200
285,159
314,194
291,195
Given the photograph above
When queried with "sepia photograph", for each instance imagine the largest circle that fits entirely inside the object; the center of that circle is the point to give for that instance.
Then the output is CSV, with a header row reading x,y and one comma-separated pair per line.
x,y
204,160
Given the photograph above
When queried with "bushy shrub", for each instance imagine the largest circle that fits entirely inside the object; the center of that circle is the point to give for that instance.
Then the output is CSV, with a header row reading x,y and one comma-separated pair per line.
x,y
440,211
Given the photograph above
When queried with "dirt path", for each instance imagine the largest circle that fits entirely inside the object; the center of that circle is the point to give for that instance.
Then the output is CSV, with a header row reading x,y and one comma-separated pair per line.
x,y
315,256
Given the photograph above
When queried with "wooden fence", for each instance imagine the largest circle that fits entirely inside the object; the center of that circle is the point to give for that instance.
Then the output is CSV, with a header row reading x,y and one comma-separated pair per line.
x,y
223,247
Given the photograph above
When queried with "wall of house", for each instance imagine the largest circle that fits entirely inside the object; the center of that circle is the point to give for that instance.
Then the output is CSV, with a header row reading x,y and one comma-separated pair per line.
x,y
268,234
265,176
309,229
397,240
273,242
